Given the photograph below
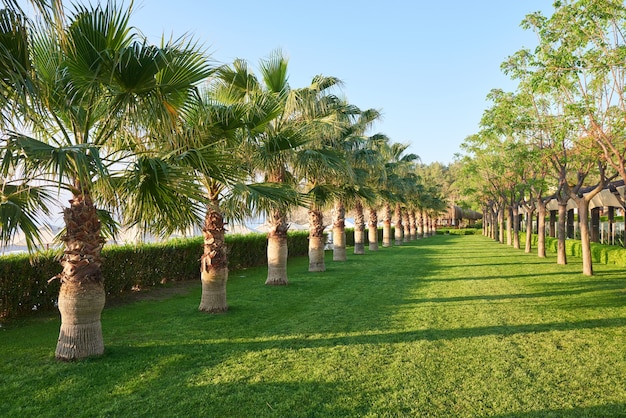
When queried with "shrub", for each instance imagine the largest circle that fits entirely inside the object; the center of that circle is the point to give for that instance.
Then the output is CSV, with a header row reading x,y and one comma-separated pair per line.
x,y
24,283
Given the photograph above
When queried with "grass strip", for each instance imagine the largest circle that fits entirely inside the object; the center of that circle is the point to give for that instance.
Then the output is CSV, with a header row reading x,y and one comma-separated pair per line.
x,y
444,326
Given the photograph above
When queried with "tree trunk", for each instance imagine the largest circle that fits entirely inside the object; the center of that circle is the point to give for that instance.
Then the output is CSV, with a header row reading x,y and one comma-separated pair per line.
x,y
529,232
80,305
373,229
561,256
359,228
339,232
509,227
316,241
387,225
277,249
398,230
500,223
412,226
420,224
541,228
82,296
406,232
585,241
213,262
516,222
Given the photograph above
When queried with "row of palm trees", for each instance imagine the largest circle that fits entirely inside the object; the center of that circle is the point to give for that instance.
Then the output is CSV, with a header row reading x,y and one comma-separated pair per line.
x,y
158,137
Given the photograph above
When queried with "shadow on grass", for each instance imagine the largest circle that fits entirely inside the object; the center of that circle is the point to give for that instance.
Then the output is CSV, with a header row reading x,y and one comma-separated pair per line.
x,y
604,411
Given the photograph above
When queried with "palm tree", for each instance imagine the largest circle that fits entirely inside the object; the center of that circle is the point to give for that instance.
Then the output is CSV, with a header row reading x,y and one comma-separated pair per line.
x,y
293,126
96,86
397,166
221,123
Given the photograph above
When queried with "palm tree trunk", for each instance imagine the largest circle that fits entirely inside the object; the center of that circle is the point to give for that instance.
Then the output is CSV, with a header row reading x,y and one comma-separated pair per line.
x,y
406,235
359,228
386,225
339,231
373,229
213,263
398,229
420,224
277,249
82,296
412,226
316,241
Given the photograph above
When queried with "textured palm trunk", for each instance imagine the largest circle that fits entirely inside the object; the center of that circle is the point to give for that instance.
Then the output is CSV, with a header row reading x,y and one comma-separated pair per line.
x,y
339,232
359,228
541,228
420,224
316,241
412,226
406,231
82,296
277,249
398,229
386,225
213,263
561,256
372,225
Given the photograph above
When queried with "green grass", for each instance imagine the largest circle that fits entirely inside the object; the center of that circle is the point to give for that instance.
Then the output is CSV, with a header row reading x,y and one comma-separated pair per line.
x,y
445,326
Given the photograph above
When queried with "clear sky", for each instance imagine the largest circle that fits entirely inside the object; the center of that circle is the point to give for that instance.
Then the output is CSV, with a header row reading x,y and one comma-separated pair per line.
x,y
426,65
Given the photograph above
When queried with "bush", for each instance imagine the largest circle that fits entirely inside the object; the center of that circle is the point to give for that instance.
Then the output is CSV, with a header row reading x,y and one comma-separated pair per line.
x,y
24,283
600,253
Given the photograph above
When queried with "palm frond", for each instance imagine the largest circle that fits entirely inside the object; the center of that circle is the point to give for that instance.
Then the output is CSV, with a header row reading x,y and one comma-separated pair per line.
x,y
20,207
159,197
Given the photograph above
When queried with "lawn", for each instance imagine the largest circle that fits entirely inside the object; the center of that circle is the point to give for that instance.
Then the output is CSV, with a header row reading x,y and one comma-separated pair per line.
x,y
446,326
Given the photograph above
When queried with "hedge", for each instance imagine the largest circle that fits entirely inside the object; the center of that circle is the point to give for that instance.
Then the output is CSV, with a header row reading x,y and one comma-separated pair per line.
x,y
600,253
24,283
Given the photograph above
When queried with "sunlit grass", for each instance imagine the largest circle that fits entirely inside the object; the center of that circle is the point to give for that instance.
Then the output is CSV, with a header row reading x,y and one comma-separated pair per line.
x,y
445,326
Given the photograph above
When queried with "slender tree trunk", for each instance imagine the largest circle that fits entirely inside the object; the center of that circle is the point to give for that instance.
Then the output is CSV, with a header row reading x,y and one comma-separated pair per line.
x,y
561,256
359,228
412,226
277,249
500,223
398,230
541,228
82,296
339,231
509,226
373,229
316,240
386,225
214,262
406,232
529,231
516,222
585,241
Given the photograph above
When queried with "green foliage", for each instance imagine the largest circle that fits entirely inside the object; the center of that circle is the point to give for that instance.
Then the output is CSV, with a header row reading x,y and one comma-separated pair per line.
x,y
24,283
600,253
457,231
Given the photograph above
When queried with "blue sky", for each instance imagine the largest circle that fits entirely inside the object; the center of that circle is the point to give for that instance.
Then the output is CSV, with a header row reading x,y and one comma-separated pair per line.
x,y
426,65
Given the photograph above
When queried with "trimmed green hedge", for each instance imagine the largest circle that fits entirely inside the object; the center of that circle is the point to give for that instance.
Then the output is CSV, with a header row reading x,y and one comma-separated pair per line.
x,y
600,253
24,283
